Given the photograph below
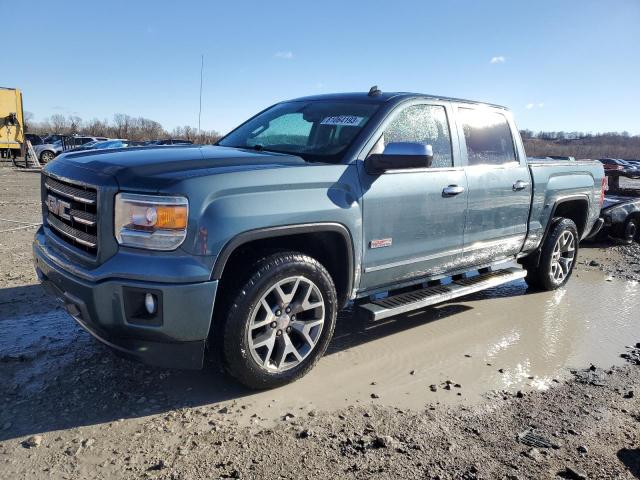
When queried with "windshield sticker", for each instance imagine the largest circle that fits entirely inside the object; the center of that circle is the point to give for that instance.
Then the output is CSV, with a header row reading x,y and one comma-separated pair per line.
x,y
346,120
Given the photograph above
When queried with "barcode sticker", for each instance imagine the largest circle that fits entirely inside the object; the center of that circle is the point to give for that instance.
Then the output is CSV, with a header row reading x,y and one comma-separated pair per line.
x,y
346,120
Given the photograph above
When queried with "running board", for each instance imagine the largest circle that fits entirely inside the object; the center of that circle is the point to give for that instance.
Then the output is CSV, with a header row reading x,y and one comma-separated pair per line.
x,y
406,302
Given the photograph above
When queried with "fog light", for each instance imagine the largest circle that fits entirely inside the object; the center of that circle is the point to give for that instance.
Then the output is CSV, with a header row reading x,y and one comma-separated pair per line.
x,y
150,303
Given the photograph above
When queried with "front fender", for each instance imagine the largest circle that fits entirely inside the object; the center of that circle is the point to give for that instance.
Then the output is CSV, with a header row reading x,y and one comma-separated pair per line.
x,y
232,207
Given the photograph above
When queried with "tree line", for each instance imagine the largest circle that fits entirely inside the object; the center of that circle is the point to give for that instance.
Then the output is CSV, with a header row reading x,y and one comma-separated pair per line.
x,y
582,145
120,126
543,143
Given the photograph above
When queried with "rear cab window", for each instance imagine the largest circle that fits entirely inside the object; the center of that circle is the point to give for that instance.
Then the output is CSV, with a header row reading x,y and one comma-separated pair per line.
x,y
487,136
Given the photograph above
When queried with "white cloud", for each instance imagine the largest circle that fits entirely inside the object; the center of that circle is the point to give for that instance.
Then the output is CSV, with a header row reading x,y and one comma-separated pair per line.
x,y
288,55
532,105
499,59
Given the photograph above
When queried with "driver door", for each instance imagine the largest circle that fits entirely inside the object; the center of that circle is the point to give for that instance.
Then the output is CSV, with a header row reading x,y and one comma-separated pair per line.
x,y
411,226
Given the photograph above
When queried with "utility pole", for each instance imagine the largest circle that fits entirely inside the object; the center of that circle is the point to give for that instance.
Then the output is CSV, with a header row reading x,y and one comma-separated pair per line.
x,y
200,110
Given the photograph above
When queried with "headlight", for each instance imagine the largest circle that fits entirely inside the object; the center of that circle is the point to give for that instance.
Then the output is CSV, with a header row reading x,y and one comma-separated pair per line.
x,y
151,221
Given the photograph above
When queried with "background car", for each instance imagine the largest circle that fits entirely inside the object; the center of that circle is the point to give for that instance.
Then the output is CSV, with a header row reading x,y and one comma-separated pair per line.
x,y
618,166
632,170
111,143
169,141
48,151
54,145
34,139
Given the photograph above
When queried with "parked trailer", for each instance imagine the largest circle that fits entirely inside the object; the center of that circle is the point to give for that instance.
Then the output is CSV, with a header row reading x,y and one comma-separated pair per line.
x,y
11,123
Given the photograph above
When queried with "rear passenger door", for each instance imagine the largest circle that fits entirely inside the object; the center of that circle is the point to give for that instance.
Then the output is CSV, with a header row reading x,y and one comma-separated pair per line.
x,y
499,185
411,228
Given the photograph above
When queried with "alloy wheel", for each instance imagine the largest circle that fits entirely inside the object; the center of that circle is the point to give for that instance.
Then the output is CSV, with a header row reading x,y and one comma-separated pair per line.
x,y
286,324
563,256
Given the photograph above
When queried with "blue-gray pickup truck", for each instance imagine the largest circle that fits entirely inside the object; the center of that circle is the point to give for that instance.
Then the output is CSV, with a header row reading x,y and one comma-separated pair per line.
x,y
389,201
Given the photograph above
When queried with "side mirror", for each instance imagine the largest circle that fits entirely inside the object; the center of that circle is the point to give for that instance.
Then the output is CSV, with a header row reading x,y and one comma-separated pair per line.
x,y
398,156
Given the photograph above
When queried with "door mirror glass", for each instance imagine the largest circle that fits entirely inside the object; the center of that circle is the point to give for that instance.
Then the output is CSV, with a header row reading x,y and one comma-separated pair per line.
x,y
399,156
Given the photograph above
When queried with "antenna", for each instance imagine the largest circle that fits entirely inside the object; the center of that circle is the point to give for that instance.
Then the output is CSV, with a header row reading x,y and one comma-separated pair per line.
x,y
200,110
374,91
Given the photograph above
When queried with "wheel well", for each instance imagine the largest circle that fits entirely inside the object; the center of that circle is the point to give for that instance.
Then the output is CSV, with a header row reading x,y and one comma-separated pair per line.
x,y
576,210
330,248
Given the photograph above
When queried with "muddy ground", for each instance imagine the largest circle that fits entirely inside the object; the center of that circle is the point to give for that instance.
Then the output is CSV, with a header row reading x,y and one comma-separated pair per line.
x,y
448,392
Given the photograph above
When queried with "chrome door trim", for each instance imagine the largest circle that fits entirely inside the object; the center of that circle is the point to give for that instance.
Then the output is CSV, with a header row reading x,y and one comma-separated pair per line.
x,y
412,260
519,238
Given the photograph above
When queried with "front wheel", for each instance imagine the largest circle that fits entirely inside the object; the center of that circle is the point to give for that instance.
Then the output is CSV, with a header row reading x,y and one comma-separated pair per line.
x,y
281,321
557,257
46,156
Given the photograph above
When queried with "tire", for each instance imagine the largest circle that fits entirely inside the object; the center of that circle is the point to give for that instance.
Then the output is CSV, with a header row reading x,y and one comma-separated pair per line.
x,y
630,231
558,257
288,303
46,156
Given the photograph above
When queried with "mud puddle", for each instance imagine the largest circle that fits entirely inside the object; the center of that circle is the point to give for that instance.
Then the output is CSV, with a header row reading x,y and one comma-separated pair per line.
x,y
500,339
56,376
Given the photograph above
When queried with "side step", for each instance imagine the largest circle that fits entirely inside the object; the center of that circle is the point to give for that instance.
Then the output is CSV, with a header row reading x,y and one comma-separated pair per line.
x,y
406,302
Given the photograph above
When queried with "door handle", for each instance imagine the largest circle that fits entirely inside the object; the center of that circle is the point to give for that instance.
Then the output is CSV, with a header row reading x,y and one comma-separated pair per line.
x,y
452,191
520,185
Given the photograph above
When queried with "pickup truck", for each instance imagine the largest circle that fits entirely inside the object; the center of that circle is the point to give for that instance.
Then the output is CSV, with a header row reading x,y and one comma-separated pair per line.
x,y
248,248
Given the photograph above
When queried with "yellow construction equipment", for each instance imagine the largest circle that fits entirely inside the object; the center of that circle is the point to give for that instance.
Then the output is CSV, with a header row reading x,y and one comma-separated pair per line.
x,y
11,123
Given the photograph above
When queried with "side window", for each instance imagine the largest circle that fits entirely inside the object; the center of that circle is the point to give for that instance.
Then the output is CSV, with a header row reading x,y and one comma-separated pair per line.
x,y
487,136
425,124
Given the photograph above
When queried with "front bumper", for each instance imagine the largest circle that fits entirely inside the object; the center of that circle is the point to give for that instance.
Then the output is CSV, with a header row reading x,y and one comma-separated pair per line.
x,y
98,305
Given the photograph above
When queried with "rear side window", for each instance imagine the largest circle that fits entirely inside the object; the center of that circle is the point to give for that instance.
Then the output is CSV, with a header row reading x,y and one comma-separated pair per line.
x,y
426,124
487,136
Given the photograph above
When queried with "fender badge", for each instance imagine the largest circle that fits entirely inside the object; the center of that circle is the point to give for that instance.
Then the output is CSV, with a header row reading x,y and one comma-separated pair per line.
x,y
382,242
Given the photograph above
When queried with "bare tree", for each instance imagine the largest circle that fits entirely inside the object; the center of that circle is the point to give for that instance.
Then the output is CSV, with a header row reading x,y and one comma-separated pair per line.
x,y
59,123
75,123
27,118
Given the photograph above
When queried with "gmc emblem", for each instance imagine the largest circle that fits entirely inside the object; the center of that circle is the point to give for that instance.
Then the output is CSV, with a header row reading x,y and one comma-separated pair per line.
x,y
59,207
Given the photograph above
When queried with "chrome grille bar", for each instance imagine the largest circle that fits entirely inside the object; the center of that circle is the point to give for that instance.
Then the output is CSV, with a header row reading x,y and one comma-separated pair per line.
x,y
79,194
85,218
72,213
82,238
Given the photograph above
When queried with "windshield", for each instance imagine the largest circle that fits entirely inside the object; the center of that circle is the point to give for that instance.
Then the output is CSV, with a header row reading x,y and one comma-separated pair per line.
x,y
316,131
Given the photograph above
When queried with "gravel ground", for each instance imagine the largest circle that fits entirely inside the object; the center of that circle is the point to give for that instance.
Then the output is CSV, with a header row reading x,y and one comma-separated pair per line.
x,y
618,261
575,430
73,410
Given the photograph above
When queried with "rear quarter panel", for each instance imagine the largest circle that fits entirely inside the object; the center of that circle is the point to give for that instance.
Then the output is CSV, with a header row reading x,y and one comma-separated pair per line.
x,y
555,182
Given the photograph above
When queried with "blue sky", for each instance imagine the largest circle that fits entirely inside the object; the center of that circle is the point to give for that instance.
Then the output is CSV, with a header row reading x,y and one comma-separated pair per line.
x,y
559,65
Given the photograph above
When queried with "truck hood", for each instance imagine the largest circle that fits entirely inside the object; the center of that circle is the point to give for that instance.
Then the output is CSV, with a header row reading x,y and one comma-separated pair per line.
x,y
155,167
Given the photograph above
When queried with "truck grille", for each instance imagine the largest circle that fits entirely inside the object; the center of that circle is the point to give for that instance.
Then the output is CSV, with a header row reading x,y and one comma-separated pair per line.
x,y
72,213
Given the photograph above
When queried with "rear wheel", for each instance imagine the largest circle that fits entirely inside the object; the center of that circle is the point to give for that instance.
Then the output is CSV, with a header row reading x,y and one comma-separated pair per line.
x,y
557,257
281,321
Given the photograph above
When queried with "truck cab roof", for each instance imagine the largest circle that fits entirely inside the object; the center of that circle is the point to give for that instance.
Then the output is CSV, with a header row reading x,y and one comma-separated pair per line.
x,y
384,97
